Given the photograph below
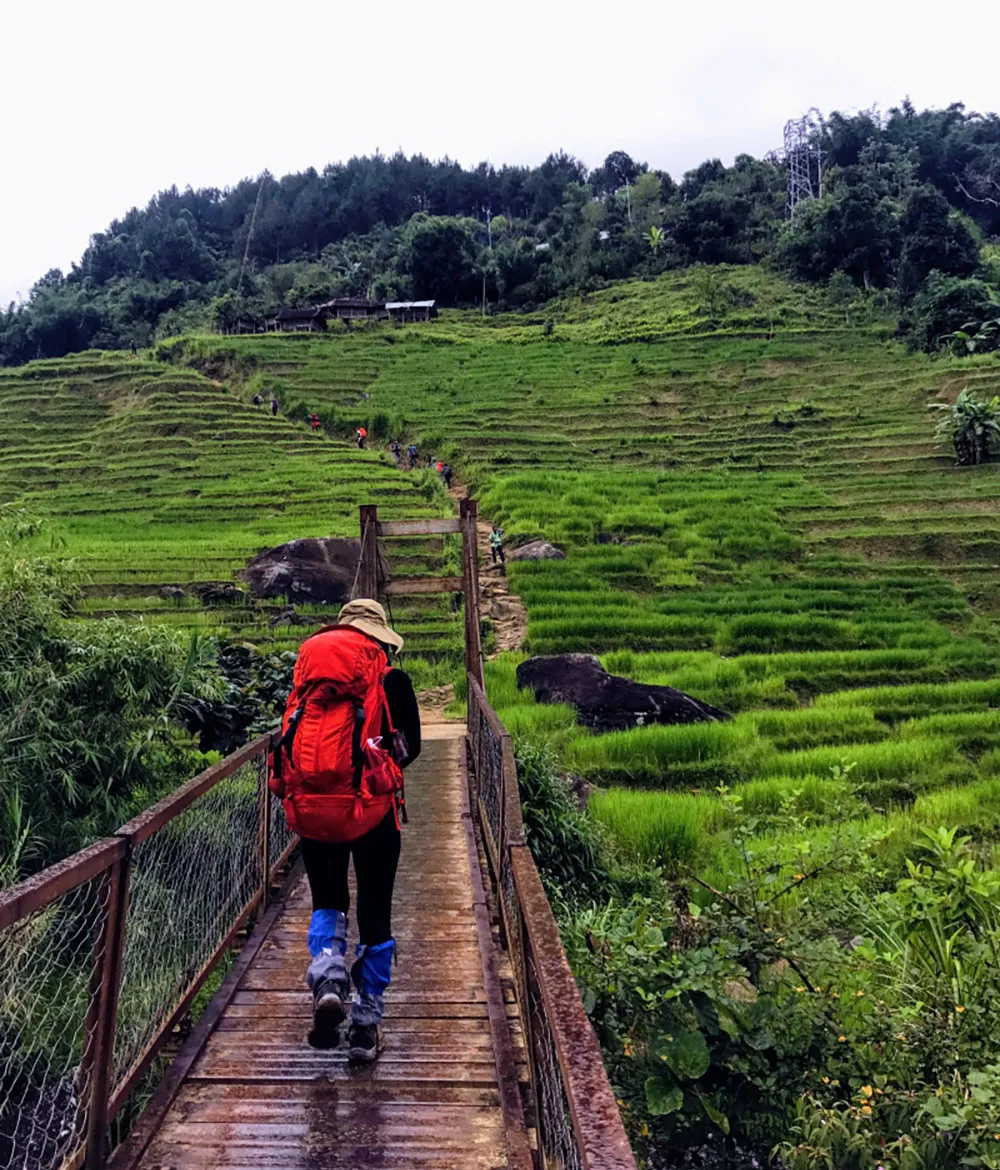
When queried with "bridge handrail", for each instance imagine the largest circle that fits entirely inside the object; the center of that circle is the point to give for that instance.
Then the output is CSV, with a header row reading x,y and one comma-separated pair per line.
x,y
576,1117
100,965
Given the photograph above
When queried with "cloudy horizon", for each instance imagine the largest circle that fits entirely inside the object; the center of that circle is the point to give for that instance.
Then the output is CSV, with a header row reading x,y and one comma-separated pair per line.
x,y
106,104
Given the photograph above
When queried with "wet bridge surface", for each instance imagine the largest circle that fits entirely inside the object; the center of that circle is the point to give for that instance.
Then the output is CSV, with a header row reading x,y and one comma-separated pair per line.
x,y
257,1096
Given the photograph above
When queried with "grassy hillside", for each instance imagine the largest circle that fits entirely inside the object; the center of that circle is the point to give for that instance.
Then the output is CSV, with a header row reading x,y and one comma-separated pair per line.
x,y
747,487
733,469
151,476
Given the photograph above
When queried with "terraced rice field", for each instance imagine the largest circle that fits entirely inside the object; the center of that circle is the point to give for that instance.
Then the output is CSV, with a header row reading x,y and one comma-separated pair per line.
x,y
753,510
151,476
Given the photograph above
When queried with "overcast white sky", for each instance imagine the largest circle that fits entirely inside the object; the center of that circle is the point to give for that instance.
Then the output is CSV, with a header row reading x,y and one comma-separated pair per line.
x,y
104,102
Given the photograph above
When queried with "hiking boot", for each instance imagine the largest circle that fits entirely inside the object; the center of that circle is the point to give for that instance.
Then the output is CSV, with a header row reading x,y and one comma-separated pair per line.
x,y
329,1012
364,1043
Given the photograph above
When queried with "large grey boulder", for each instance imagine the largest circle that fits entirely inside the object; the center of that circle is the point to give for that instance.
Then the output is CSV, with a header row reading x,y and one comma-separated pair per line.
x,y
536,550
321,570
605,701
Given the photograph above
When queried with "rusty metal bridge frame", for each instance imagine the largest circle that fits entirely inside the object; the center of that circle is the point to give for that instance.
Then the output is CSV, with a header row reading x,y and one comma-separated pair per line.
x,y
104,954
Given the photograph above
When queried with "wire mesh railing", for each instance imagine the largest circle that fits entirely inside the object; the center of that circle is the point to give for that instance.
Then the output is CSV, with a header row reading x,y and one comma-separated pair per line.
x,y
573,1108
102,955
53,945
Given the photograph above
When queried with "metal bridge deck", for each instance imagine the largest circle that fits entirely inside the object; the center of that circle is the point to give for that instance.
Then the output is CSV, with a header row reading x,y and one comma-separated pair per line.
x,y
258,1097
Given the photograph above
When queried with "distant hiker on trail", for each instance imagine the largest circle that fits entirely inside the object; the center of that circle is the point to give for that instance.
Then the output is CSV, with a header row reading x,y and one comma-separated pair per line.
x,y
274,407
496,548
350,726
446,474
397,452
411,451
314,422
439,467
132,348
362,436
257,400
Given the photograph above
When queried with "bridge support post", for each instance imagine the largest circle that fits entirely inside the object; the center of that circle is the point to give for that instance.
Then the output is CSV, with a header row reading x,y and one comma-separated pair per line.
x,y
100,1027
468,512
367,582
265,838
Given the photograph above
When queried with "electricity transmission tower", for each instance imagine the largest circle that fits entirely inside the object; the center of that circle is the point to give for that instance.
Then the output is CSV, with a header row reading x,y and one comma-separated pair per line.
x,y
804,158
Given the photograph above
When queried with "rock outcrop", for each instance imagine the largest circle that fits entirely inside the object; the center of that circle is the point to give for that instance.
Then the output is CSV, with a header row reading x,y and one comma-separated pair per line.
x,y
606,702
220,593
320,570
536,550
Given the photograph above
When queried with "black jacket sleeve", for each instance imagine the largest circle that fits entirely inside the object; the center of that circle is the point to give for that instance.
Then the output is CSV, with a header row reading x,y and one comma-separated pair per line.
x,y
404,711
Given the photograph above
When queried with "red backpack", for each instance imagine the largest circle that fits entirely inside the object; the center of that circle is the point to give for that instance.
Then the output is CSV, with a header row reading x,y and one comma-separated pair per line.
x,y
336,779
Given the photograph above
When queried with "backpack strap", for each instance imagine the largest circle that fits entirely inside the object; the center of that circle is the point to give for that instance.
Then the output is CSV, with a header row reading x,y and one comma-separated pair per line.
x,y
357,754
287,740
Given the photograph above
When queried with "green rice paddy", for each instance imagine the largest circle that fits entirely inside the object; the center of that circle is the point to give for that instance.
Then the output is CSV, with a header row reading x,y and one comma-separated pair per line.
x,y
757,514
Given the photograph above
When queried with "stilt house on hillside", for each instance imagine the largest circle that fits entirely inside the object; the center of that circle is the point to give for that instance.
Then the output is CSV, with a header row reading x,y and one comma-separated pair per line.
x,y
296,321
314,319
411,310
354,309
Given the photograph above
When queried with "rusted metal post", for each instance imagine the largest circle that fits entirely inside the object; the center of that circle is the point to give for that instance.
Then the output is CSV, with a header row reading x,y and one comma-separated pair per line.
x,y
102,1043
265,847
367,585
470,574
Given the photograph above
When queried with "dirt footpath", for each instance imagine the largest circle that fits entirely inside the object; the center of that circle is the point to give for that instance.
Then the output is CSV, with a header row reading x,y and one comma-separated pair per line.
x,y
504,609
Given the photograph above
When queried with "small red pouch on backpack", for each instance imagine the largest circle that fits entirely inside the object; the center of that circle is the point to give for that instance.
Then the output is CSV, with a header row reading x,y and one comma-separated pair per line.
x,y
382,775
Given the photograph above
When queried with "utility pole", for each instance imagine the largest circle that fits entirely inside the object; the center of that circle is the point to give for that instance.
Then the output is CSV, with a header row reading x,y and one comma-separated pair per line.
x,y
253,220
489,236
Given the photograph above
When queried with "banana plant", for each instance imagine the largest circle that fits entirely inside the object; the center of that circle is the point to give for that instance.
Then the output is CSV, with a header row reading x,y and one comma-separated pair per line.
x,y
973,426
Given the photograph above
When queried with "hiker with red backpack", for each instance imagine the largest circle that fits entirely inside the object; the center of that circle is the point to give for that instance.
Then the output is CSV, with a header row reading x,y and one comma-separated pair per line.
x,y
350,726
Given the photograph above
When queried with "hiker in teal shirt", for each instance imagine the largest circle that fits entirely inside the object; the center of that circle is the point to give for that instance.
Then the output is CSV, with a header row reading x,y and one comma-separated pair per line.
x,y
496,548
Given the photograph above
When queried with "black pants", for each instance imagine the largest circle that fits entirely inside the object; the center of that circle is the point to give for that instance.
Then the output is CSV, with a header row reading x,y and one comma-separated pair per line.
x,y
498,554
376,856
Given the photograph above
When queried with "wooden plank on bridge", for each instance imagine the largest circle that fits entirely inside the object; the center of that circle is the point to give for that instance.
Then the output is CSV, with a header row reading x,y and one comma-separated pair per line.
x,y
405,586
259,1096
419,527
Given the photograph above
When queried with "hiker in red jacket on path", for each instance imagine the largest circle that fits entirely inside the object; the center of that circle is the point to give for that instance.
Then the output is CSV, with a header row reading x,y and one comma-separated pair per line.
x,y
351,725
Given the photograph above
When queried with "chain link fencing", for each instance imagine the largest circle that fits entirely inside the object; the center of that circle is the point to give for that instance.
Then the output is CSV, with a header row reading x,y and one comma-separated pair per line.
x,y
572,1106
49,960
192,882
102,955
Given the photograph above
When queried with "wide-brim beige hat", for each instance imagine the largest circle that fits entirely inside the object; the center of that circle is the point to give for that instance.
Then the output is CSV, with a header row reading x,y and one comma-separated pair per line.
x,y
369,617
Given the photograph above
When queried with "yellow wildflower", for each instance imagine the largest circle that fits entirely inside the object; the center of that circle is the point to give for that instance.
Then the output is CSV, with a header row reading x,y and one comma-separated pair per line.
x,y
866,1091
842,1039
959,1008
866,1110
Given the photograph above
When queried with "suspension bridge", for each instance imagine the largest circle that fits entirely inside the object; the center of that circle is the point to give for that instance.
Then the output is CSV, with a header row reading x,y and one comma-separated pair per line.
x,y
154,1012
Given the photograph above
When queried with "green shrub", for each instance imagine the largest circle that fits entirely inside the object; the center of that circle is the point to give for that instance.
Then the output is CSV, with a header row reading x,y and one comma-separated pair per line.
x,y
563,839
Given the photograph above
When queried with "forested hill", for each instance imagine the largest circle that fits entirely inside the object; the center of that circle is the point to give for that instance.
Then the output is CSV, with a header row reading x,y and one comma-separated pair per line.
x,y
908,201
